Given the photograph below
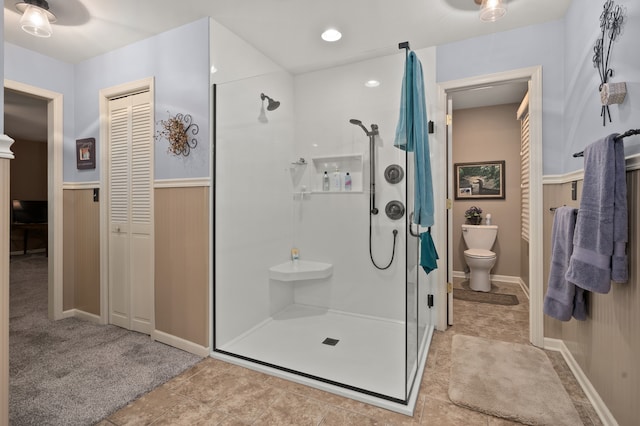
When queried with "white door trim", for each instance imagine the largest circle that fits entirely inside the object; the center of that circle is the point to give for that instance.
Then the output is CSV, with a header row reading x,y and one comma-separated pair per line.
x,y
534,75
104,97
55,138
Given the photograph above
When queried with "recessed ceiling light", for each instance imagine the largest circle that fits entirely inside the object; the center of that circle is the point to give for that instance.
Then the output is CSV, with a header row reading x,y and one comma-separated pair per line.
x,y
372,83
214,69
331,35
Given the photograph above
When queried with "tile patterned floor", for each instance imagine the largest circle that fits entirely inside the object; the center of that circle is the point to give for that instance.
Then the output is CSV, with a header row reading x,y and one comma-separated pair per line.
x,y
217,393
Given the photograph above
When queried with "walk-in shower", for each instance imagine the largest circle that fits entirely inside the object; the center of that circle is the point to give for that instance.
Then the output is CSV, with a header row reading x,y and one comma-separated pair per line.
x,y
295,293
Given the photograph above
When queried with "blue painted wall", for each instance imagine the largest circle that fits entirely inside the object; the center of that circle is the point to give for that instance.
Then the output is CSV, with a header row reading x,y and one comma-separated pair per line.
x,y
509,50
178,60
571,101
583,123
35,69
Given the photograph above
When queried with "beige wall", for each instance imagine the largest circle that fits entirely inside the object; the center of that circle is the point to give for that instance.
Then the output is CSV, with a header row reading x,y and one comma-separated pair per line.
x,y
607,344
491,134
81,248
29,171
182,263
181,259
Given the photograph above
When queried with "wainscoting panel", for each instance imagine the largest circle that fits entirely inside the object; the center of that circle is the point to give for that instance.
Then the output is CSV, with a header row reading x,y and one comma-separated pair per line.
x,y
606,345
182,263
81,251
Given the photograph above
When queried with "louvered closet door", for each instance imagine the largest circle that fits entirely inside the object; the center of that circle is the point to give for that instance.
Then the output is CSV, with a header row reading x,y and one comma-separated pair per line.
x,y
130,213
525,160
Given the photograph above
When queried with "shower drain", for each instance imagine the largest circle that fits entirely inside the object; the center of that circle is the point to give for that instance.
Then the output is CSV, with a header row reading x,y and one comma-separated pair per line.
x,y
331,342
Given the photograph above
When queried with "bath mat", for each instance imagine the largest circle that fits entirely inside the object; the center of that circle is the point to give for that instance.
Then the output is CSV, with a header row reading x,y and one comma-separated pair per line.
x,y
508,380
482,297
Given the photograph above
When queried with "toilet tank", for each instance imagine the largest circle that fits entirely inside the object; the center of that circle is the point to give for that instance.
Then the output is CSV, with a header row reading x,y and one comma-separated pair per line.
x,y
479,236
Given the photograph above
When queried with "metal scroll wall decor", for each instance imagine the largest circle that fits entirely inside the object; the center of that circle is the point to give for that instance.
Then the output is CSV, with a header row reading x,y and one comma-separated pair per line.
x,y
180,131
611,21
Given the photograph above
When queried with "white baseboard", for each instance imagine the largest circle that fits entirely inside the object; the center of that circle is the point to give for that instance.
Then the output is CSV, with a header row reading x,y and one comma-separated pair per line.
x,y
598,404
82,315
179,343
524,288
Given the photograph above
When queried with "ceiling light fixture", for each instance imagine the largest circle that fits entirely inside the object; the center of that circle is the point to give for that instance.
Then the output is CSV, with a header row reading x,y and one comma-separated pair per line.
x,y
492,10
36,18
331,35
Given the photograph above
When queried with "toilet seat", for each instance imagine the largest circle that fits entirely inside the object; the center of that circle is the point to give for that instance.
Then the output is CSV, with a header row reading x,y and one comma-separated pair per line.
x,y
480,254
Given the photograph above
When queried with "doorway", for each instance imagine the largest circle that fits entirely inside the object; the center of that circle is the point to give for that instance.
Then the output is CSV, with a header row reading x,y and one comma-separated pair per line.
x,y
54,119
533,76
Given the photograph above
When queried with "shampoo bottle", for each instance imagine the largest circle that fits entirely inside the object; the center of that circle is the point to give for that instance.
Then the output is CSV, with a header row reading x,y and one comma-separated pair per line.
x,y
325,181
347,182
337,181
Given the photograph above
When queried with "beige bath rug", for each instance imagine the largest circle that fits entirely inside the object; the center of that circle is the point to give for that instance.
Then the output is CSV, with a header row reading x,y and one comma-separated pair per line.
x,y
509,380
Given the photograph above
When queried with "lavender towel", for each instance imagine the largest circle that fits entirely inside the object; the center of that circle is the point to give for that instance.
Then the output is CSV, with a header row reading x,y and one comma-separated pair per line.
x,y
599,243
563,298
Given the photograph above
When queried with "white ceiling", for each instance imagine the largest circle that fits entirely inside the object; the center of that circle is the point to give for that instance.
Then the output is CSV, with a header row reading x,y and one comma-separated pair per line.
x,y
287,31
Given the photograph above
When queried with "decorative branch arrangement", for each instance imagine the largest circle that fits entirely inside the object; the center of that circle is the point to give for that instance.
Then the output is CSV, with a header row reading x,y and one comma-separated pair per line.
x,y
176,130
611,21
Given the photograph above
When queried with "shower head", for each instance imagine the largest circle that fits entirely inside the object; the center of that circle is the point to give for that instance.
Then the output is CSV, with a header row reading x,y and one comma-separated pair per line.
x,y
272,105
359,123
372,132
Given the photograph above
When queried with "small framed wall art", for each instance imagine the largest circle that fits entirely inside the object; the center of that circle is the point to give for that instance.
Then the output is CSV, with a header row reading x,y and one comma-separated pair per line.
x,y
86,153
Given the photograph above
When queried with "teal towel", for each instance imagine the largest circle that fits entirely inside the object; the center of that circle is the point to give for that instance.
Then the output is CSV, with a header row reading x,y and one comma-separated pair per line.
x,y
412,136
428,253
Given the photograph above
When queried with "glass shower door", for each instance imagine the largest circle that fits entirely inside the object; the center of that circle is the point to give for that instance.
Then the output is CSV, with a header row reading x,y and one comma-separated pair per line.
x,y
412,329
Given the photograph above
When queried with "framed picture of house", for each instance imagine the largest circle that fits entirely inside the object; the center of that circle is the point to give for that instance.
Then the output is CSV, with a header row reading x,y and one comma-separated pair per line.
x,y
481,180
86,153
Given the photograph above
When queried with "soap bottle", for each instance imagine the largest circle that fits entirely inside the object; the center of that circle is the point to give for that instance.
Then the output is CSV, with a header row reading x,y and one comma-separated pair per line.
x,y
337,181
347,182
325,181
487,219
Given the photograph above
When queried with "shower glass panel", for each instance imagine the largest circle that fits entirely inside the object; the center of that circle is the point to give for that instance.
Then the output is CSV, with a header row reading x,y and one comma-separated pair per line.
x,y
329,315
412,279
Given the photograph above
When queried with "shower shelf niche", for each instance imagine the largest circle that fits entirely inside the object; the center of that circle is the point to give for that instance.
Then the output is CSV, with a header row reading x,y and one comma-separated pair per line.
x,y
300,270
351,163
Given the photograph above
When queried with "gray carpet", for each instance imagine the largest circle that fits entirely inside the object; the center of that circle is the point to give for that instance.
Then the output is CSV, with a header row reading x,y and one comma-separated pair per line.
x,y
482,297
74,372
508,380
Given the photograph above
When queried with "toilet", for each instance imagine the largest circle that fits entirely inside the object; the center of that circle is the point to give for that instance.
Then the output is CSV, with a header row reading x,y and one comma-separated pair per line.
x,y
479,257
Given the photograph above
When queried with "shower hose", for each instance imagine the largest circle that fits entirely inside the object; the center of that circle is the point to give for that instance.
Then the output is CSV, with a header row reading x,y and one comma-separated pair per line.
x,y
393,253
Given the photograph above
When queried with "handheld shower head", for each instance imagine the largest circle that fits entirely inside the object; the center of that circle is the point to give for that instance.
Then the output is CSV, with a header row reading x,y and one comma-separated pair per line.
x,y
359,123
272,105
372,132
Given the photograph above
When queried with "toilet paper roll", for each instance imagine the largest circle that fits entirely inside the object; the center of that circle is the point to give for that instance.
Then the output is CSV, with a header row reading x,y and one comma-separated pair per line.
x,y
613,93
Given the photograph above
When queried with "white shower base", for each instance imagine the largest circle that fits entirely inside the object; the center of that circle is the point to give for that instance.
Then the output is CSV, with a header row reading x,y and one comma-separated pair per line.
x,y
369,355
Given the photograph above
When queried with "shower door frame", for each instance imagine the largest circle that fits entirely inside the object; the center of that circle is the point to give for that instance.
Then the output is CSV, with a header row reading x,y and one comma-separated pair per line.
x,y
385,401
